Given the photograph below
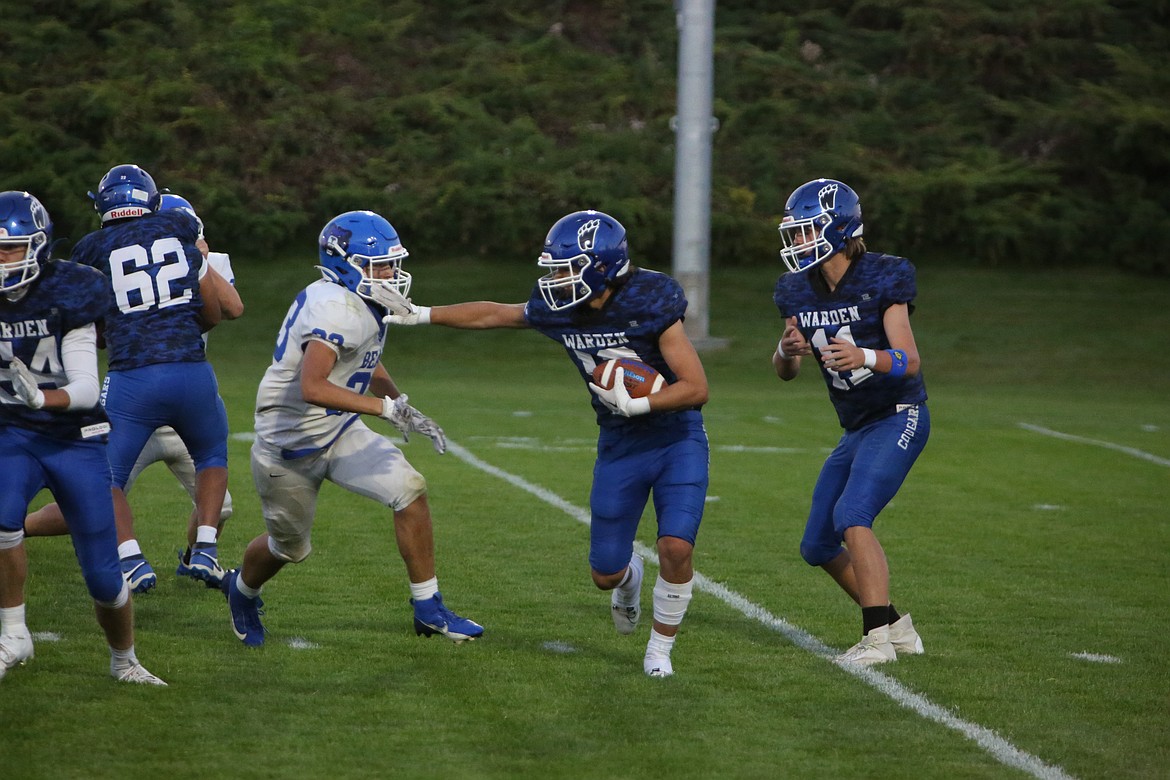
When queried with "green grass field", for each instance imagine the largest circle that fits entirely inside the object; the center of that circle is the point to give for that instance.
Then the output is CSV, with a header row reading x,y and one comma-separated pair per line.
x,y
1014,547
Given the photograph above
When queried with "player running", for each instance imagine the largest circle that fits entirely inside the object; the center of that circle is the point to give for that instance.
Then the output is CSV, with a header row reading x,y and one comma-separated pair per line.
x,y
597,305
309,427
850,310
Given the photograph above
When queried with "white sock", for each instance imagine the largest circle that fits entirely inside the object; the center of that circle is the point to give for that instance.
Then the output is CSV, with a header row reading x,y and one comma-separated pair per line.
x,y
12,621
243,586
659,645
421,591
205,534
120,659
128,548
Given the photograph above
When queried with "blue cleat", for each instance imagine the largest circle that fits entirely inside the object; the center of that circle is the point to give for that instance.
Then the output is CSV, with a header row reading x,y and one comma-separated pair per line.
x,y
201,563
138,573
431,617
245,611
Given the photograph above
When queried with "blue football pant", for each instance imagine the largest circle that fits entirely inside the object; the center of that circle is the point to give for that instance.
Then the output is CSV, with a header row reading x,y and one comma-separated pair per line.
x,y
860,477
184,396
672,465
78,475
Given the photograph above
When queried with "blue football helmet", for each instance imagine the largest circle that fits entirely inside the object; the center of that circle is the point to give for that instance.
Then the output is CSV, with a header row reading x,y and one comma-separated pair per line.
x,y
353,244
24,225
126,191
585,252
170,200
819,218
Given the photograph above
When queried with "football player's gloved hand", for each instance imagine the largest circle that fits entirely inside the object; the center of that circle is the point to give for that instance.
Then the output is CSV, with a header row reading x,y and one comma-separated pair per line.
x,y
402,312
391,300
617,399
25,385
399,413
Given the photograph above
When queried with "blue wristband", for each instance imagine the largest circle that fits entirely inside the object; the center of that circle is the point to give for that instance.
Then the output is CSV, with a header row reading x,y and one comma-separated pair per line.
x,y
898,366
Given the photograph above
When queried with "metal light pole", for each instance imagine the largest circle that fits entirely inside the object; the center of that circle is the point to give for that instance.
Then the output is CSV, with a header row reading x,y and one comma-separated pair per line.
x,y
693,127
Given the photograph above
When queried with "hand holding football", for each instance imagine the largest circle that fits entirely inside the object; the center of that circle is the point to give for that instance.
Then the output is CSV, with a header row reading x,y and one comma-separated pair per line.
x,y
641,379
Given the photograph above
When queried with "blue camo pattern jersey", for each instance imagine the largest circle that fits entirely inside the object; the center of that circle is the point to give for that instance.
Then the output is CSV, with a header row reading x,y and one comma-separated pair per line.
x,y
154,268
65,297
628,326
853,312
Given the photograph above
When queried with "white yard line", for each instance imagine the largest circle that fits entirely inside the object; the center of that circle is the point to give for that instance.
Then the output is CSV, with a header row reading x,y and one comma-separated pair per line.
x,y
999,748
1096,443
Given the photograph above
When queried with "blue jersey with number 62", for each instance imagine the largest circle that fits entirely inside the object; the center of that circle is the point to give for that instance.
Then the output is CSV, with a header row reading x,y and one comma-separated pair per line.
x,y
154,268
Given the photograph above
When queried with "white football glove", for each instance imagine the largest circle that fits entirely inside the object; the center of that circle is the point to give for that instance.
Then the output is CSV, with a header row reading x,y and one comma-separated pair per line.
x,y
617,399
391,300
399,413
25,385
402,312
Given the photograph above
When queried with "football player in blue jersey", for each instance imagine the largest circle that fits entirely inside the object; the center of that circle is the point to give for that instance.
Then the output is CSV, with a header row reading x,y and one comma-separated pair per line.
x,y
309,427
164,445
597,305
53,431
849,310
162,296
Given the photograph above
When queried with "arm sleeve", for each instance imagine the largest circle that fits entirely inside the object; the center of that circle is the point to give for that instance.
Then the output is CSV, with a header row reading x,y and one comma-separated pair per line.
x,y
79,356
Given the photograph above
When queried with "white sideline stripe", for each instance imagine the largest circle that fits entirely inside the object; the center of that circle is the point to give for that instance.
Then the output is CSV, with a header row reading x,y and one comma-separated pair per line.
x,y
1096,443
1000,749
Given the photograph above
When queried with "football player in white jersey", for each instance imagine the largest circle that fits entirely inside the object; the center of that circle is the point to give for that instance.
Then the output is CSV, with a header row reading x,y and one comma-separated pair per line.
x,y
309,427
164,445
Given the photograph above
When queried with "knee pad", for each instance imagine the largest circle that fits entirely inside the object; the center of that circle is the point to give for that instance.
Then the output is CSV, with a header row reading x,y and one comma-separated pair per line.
x,y
118,601
292,556
10,539
671,600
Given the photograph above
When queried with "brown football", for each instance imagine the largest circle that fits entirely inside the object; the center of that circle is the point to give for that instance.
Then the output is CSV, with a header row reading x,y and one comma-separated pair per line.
x,y
641,379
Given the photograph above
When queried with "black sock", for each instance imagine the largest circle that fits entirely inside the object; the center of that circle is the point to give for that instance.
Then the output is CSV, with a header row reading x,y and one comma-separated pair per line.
x,y
894,616
874,617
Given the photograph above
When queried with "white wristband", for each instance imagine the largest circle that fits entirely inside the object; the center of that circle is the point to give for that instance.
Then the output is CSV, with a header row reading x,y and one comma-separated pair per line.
x,y
424,315
870,357
638,406
780,349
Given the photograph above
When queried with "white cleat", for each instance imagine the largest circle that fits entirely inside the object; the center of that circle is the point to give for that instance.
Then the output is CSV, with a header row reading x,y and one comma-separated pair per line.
x,y
135,673
657,666
14,651
874,648
625,602
904,638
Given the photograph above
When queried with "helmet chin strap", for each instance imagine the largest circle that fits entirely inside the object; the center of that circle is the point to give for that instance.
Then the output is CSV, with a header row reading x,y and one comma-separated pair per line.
x,y
15,295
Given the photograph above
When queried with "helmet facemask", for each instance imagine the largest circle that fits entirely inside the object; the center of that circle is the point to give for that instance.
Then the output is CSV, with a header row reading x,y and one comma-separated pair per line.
x,y
15,276
564,286
805,242
398,281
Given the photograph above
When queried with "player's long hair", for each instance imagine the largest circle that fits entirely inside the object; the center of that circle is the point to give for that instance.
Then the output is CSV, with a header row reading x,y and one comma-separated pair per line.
x,y
854,248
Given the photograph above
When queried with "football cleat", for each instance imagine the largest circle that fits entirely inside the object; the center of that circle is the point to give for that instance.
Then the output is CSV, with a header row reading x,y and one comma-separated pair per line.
x,y
432,617
201,563
874,648
904,638
135,673
138,573
14,651
625,601
245,611
657,665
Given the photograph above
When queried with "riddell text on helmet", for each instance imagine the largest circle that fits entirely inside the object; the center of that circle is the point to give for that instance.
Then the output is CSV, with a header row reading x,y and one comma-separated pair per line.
x,y
128,211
